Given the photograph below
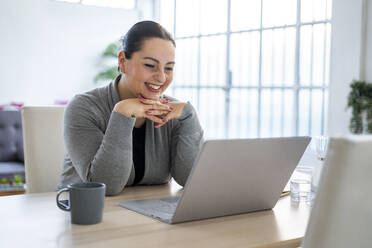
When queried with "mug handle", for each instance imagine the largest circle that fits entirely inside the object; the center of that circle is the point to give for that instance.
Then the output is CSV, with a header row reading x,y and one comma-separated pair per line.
x,y
62,204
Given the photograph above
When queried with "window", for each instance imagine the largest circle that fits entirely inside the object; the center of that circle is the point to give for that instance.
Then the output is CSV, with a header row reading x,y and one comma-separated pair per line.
x,y
122,4
255,68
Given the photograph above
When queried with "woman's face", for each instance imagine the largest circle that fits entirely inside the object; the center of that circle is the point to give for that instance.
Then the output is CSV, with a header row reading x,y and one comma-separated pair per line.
x,y
149,71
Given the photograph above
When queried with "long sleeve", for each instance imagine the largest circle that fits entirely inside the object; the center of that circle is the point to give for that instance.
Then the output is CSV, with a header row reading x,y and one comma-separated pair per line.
x,y
97,154
187,139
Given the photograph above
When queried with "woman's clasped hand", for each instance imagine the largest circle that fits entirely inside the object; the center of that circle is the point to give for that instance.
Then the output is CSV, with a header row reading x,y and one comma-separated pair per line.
x,y
159,111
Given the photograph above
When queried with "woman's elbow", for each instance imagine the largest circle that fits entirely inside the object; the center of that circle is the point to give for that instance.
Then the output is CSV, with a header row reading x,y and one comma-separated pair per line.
x,y
112,190
180,180
115,182
113,187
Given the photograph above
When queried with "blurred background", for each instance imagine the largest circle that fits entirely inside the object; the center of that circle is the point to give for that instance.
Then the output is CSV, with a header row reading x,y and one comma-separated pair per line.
x,y
251,68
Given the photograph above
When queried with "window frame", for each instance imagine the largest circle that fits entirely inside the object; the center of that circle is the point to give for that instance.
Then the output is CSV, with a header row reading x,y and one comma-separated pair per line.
x,y
296,87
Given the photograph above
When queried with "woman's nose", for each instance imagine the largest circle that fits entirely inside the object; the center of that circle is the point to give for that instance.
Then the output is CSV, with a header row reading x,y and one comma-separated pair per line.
x,y
161,76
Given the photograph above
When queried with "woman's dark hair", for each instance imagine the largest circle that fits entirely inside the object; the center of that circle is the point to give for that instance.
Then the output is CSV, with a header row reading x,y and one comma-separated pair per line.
x,y
141,31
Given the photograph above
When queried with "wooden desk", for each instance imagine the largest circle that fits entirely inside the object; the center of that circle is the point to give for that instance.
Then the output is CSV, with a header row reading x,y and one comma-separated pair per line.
x,y
33,220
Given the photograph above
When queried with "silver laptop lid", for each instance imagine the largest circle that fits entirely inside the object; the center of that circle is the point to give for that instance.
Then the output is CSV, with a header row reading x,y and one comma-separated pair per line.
x,y
238,176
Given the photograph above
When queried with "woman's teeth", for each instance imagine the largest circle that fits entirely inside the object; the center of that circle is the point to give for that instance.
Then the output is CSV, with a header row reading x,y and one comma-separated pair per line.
x,y
155,87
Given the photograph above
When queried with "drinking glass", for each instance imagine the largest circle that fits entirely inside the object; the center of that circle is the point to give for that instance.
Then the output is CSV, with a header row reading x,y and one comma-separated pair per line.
x,y
321,147
300,183
321,144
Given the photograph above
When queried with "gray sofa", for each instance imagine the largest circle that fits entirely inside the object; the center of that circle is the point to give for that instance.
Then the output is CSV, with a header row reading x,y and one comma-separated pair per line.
x,y
11,145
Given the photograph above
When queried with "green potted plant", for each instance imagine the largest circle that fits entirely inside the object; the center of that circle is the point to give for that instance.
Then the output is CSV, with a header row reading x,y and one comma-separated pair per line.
x,y
107,63
4,182
17,181
360,101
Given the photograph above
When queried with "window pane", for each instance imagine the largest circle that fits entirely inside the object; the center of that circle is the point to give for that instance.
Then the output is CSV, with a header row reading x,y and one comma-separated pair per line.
x,y
314,54
289,115
277,113
303,112
315,10
266,113
319,10
212,112
213,60
186,25
289,54
243,113
244,58
329,9
328,53
316,112
306,10
245,14
278,13
318,54
167,14
278,56
282,113
186,68
213,17
185,95
305,54
267,54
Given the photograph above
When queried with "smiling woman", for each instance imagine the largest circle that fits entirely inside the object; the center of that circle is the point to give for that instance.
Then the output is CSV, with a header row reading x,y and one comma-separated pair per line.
x,y
128,132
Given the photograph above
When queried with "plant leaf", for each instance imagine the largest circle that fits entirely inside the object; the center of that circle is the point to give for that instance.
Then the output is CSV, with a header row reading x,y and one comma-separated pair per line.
x,y
108,74
111,51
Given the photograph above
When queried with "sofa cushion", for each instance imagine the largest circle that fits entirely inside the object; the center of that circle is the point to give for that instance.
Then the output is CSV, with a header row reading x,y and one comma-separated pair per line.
x,y
11,139
9,169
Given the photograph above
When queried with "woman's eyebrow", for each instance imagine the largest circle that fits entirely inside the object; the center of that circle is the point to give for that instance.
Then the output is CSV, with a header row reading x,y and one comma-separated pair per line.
x,y
157,61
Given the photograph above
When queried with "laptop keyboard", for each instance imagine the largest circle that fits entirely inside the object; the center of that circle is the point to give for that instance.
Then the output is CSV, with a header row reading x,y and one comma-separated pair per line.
x,y
171,200
160,208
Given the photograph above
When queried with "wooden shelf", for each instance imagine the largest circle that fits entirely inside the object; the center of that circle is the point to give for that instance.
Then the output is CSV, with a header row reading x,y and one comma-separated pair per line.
x,y
12,191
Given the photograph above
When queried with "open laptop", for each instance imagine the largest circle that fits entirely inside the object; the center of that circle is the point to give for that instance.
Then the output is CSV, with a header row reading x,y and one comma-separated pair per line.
x,y
229,177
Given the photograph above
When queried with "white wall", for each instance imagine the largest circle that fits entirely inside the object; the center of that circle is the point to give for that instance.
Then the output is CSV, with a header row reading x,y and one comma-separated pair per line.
x,y
49,50
347,54
368,52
